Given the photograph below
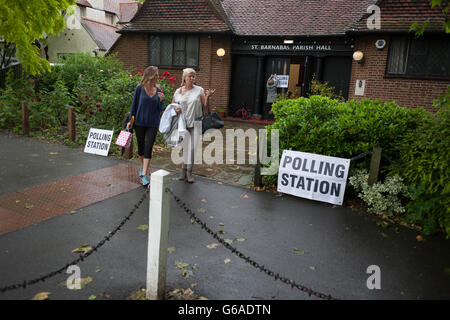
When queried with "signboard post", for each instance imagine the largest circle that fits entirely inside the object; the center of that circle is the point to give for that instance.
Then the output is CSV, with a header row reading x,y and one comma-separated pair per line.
x,y
313,176
98,141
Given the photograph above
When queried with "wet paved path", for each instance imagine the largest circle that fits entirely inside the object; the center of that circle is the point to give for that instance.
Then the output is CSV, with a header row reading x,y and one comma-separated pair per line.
x,y
319,246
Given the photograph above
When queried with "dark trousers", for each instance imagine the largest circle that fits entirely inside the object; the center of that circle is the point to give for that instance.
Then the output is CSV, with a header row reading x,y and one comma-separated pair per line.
x,y
145,137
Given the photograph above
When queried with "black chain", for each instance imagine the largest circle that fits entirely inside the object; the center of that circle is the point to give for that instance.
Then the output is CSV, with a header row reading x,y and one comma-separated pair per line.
x,y
360,156
247,259
83,256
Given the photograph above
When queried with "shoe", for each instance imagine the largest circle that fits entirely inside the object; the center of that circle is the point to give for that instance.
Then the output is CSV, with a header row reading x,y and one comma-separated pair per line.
x,y
140,171
144,180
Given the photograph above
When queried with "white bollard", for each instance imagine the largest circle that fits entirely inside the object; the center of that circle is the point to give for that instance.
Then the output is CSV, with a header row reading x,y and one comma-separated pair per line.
x,y
158,234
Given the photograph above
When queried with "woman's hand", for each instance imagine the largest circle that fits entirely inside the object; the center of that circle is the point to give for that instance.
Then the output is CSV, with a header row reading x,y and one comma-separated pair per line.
x,y
178,110
161,96
209,92
128,125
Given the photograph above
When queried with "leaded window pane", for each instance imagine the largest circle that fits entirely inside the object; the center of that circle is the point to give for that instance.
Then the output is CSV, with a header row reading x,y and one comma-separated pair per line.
x,y
192,51
155,51
166,50
397,55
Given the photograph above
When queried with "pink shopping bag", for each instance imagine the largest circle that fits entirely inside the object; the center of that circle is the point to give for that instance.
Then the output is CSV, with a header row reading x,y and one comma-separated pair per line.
x,y
124,139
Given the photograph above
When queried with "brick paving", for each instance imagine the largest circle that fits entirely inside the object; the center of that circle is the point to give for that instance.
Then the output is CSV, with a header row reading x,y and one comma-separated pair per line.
x,y
32,205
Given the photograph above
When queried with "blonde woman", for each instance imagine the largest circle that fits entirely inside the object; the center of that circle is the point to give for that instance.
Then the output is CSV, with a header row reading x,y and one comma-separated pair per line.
x,y
148,102
194,101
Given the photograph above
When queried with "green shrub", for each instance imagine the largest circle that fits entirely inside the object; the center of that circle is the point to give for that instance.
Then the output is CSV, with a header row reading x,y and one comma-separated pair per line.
x,y
11,97
424,164
382,197
330,127
51,107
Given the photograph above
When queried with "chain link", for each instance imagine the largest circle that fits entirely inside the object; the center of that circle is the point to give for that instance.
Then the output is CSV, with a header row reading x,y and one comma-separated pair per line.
x,y
26,283
247,259
361,155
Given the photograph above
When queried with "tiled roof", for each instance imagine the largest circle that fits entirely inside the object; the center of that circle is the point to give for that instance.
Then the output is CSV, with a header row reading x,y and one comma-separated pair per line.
x,y
294,17
178,15
398,15
128,10
104,34
84,3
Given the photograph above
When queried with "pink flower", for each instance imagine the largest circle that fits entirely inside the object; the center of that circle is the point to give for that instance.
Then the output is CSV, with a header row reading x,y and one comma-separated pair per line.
x,y
98,105
100,109
109,70
166,73
91,111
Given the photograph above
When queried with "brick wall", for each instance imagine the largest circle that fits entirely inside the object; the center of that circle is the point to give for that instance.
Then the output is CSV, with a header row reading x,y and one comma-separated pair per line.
x,y
132,50
406,92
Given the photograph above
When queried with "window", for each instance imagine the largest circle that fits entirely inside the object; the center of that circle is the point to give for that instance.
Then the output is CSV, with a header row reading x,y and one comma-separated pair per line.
x,y
426,56
174,51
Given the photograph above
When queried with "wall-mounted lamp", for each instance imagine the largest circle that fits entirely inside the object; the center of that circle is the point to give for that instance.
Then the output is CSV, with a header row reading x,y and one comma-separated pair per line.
x,y
358,56
220,53
288,41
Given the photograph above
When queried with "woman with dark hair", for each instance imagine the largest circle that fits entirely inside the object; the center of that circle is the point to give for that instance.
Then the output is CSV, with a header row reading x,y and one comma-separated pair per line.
x,y
148,102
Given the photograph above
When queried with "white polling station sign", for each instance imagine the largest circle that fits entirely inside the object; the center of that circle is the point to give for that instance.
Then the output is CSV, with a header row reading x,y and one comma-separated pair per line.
x,y
313,176
283,81
98,141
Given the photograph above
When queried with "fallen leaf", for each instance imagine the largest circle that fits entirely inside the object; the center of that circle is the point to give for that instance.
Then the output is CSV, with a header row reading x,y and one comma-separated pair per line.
x,y
35,155
221,232
92,297
229,241
42,296
85,281
202,210
29,206
221,224
85,248
298,252
72,212
97,269
244,196
53,153
112,186
181,264
312,268
186,273
240,239
383,224
143,227
171,249
212,245
384,235
227,260
419,238
204,200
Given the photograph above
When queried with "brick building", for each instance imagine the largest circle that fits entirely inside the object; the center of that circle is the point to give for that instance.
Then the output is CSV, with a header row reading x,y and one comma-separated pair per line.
x,y
297,39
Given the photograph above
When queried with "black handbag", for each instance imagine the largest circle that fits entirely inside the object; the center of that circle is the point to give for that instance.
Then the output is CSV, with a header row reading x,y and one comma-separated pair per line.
x,y
211,121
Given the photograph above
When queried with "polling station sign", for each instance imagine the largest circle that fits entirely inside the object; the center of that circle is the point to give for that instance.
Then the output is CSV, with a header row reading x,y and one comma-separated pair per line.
x,y
98,141
313,176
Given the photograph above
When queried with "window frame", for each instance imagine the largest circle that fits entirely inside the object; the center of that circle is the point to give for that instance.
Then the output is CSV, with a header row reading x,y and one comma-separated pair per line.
x,y
173,36
406,75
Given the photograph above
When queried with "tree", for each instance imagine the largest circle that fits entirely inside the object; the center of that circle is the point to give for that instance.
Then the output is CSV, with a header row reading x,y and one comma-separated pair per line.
x,y
22,22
